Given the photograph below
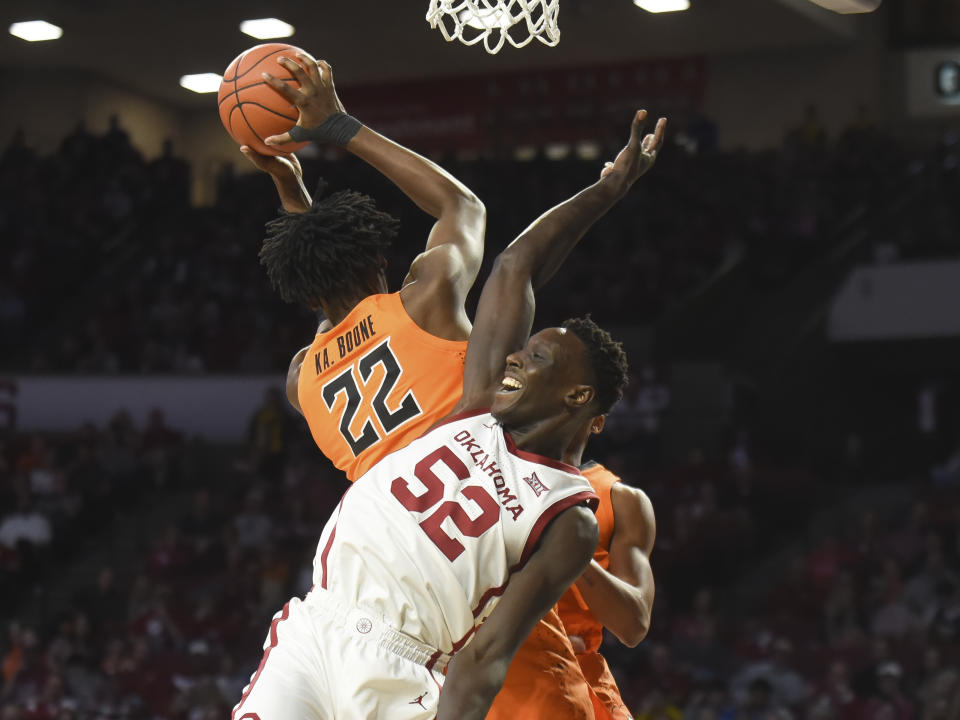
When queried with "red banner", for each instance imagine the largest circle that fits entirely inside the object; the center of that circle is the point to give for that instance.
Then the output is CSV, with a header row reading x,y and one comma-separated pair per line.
x,y
531,107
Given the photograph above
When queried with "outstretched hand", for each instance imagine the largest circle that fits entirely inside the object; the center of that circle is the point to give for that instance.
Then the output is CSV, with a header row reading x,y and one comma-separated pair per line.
x,y
316,99
640,153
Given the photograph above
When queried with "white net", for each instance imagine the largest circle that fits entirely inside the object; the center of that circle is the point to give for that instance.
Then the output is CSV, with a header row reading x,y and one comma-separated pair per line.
x,y
495,22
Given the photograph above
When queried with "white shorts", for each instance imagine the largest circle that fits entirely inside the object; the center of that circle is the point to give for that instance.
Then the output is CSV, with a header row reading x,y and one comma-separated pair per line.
x,y
322,660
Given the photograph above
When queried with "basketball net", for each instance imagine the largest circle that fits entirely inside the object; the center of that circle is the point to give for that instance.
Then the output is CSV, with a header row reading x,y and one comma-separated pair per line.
x,y
495,22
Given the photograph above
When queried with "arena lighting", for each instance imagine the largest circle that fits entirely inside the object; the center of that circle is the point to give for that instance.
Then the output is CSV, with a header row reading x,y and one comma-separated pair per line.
x,y
587,150
659,6
847,7
266,28
556,151
36,30
201,82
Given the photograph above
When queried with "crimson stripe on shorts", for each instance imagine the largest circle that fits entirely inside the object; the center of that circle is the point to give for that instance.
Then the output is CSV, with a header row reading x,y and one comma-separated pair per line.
x,y
456,646
263,661
432,677
323,558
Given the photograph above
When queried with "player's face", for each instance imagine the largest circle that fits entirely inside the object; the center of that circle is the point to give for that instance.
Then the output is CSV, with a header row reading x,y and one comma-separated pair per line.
x,y
541,379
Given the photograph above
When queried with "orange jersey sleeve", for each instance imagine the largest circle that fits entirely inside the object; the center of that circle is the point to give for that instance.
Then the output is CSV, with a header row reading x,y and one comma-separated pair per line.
x,y
375,382
576,616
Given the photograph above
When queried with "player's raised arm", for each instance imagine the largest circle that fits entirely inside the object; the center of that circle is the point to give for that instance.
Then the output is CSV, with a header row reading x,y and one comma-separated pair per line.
x,y
476,673
505,312
457,236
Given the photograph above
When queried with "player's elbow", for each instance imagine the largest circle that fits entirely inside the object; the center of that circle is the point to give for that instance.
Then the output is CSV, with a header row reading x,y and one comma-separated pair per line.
x,y
470,203
512,265
636,625
474,206
467,207
293,397
634,634
486,658
475,677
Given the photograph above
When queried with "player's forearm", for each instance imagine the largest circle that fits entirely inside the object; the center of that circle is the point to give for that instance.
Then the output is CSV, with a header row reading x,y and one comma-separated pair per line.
x,y
542,247
622,608
469,689
433,189
293,194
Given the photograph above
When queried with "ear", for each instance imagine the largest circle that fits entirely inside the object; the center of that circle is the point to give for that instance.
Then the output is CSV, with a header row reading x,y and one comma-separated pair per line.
x,y
579,397
597,424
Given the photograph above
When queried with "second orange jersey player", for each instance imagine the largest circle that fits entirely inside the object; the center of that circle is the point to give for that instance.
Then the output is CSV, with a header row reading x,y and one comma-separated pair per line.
x,y
382,367
559,671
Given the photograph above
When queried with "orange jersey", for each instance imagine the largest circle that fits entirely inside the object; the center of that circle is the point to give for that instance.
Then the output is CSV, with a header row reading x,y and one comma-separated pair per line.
x,y
375,382
576,616
546,679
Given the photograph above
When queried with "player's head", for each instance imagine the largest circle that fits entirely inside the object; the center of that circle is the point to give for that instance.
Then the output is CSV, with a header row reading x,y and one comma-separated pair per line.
x,y
334,250
576,370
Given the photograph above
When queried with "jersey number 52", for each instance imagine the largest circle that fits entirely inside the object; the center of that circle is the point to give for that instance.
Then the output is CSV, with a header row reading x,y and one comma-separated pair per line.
x,y
431,525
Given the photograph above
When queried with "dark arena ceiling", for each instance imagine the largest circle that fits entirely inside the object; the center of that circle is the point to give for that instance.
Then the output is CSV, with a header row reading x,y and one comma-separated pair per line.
x,y
148,46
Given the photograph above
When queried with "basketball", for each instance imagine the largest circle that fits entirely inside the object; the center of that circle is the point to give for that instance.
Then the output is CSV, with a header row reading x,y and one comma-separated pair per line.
x,y
250,109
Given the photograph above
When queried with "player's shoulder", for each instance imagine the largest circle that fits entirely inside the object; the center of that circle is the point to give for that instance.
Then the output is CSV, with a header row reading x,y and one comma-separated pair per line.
x,y
435,270
631,494
434,291
633,506
623,497
599,475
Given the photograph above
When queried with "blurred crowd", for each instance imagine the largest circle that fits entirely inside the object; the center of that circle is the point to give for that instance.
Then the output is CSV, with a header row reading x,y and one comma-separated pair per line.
x,y
168,625
58,492
107,268
760,613
857,619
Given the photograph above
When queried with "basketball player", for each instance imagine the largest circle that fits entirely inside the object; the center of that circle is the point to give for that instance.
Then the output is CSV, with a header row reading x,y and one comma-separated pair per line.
x,y
385,366
479,519
553,675
533,656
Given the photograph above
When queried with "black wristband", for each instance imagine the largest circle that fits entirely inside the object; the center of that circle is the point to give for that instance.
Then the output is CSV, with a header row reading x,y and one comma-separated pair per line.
x,y
338,128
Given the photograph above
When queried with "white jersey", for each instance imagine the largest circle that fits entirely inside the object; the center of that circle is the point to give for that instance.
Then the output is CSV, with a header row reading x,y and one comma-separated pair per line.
x,y
428,538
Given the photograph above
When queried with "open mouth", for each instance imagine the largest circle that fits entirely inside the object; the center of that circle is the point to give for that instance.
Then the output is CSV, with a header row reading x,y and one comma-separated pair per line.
x,y
510,385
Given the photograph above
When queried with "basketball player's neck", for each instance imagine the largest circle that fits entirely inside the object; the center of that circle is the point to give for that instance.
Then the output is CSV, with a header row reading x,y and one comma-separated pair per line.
x,y
573,455
555,438
336,309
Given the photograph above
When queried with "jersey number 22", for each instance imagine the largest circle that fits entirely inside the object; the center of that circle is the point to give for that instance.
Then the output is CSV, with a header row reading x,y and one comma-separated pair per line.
x,y
346,383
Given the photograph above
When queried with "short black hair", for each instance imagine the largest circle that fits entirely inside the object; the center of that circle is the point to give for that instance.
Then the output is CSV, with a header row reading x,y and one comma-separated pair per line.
x,y
327,250
607,357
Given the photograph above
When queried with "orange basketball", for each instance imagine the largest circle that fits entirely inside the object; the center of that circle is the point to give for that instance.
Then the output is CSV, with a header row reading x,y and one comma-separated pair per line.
x,y
250,109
